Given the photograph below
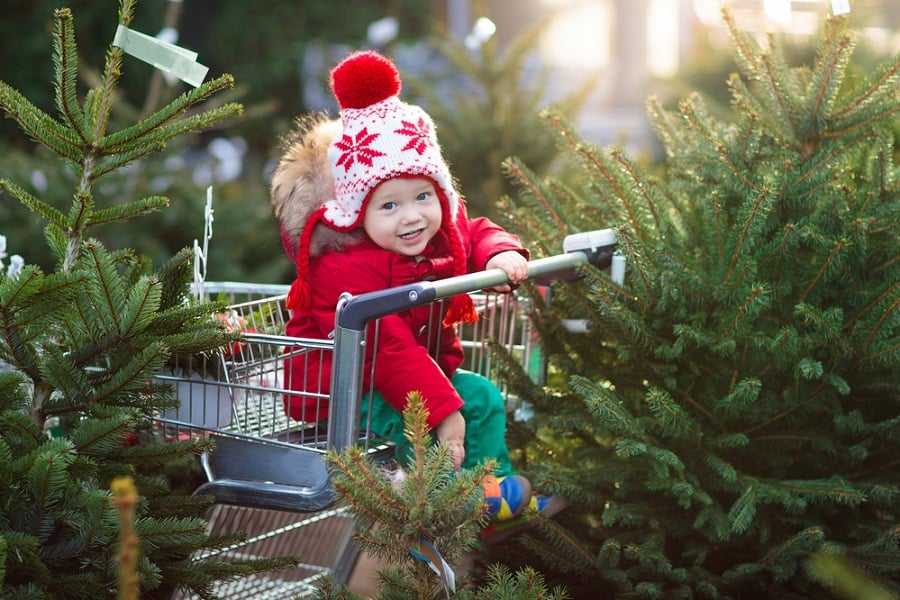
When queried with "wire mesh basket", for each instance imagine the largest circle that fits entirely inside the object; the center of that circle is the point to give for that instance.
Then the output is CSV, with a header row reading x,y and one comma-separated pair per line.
x,y
268,471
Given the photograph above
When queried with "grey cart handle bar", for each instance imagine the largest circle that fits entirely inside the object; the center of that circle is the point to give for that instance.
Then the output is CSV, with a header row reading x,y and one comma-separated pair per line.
x,y
356,312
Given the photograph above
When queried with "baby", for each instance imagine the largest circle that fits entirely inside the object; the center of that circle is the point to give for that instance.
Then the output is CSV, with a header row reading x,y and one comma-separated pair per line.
x,y
367,203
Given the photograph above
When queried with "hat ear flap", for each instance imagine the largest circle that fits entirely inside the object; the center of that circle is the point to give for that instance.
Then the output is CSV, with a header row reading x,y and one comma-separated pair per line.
x,y
299,297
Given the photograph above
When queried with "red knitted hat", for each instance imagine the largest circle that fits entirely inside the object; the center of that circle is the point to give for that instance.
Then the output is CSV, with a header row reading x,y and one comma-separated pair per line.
x,y
382,138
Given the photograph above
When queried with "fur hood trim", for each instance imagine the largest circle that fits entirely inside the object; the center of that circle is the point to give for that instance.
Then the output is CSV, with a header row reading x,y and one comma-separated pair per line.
x,y
303,182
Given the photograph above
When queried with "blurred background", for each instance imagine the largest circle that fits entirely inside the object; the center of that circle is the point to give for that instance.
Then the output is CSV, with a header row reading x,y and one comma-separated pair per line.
x,y
484,69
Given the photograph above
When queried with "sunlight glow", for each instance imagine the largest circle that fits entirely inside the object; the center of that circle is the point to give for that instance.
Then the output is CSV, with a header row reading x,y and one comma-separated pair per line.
x,y
580,31
663,37
778,11
578,35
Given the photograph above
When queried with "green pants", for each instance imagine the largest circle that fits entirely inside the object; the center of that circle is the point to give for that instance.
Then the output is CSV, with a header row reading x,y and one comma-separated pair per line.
x,y
484,411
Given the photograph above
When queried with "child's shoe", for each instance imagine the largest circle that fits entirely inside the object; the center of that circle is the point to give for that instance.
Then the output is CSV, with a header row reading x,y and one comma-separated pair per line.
x,y
547,505
497,531
506,498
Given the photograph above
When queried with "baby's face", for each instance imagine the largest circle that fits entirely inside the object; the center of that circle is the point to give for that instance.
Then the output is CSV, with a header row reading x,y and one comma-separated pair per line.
x,y
403,215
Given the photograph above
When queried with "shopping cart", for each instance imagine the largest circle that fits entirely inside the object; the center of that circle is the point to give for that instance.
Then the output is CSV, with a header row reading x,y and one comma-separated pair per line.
x,y
268,472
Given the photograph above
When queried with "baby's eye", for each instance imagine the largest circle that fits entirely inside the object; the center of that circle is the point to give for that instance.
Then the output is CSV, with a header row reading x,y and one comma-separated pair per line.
x,y
389,206
423,196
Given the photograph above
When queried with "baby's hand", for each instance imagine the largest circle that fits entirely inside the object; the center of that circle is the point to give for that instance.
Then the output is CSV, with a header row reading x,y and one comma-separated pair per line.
x,y
452,431
514,264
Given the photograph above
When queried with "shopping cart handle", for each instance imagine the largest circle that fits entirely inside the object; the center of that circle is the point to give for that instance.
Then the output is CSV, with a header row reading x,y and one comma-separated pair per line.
x,y
599,245
595,247
359,310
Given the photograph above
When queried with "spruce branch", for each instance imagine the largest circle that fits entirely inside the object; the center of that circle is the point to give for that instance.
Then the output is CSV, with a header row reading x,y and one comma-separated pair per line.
x,y
826,80
771,260
811,398
886,317
794,547
608,407
707,288
665,127
837,251
426,501
632,250
164,123
739,171
675,422
66,64
128,211
756,300
645,190
775,80
103,166
99,100
112,70
751,222
526,178
747,52
697,405
38,125
43,209
604,174
871,106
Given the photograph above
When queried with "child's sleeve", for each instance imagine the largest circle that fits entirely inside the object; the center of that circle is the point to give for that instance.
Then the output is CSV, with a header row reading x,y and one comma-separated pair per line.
x,y
487,239
401,364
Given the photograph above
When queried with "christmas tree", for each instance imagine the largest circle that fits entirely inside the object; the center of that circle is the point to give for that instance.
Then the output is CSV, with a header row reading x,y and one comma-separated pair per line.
x,y
731,412
421,521
79,348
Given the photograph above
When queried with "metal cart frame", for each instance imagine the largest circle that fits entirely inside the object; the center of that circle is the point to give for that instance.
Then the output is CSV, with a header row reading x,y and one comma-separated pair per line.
x,y
267,473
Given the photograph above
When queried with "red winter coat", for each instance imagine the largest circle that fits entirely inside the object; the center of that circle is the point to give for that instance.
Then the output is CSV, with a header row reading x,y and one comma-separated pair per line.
x,y
403,362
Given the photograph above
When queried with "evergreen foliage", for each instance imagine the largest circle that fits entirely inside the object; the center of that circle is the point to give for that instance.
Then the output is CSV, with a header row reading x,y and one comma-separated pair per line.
x,y
395,510
732,411
80,346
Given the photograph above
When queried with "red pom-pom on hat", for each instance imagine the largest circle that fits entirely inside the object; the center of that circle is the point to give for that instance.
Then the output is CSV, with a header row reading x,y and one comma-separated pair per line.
x,y
364,78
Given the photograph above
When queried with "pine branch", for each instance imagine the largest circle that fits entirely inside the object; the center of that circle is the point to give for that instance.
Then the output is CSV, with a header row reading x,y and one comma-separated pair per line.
x,y
44,210
608,407
826,80
98,101
870,106
884,319
130,210
160,125
62,374
526,178
39,125
128,381
140,306
756,300
751,222
829,265
66,63
776,80
666,129
105,166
